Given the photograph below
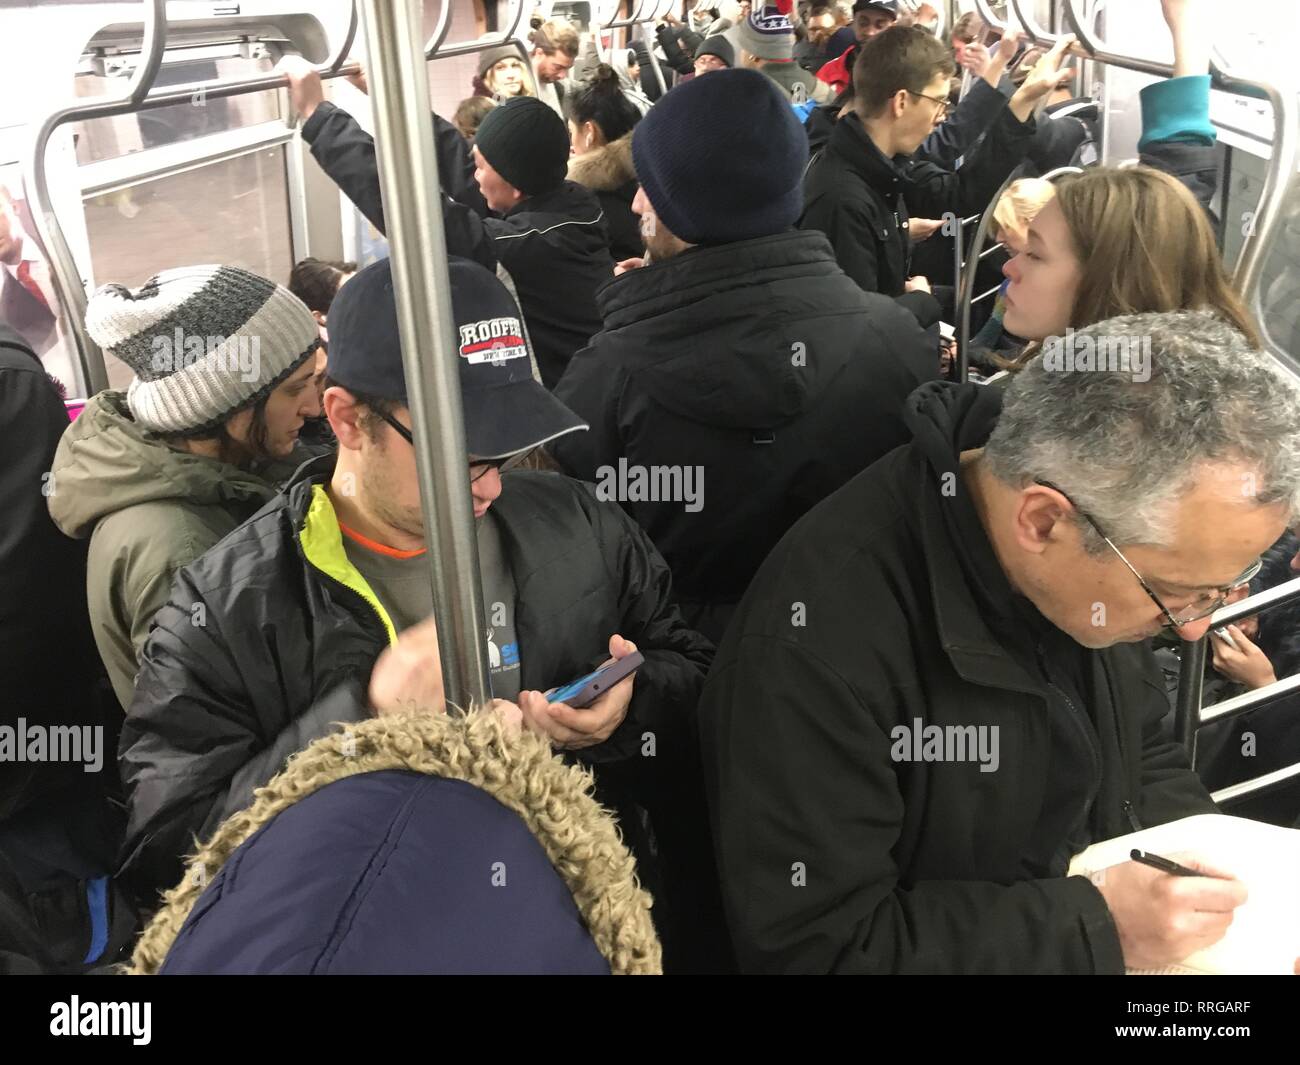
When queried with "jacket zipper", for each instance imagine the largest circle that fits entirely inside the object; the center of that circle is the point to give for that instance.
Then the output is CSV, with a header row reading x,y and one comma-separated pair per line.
x,y
1080,723
1126,804
366,608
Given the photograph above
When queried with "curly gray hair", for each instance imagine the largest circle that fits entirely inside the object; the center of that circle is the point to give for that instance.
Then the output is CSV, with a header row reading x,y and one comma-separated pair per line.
x,y
1125,445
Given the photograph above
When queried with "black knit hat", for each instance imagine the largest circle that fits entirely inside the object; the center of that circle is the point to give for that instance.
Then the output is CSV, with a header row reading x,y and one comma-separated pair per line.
x,y
526,143
719,46
722,157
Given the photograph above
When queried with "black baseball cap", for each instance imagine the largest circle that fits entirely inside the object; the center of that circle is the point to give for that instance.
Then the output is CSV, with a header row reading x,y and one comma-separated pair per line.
x,y
888,6
506,409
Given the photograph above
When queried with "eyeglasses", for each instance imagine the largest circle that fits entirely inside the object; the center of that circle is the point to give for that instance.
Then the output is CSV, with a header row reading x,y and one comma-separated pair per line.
x,y
476,469
1201,607
944,106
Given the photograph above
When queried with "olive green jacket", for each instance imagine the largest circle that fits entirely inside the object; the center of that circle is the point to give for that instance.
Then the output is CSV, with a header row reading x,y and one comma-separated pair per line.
x,y
148,510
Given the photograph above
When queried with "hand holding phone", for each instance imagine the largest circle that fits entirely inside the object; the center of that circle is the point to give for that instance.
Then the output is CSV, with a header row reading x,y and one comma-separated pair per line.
x,y
584,691
571,728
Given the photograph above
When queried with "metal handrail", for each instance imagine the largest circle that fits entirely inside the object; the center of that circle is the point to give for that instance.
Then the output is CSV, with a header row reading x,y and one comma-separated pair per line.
x,y
1190,715
440,30
973,258
638,19
435,49
1036,33
632,20
1255,784
408,179
986,13
65,275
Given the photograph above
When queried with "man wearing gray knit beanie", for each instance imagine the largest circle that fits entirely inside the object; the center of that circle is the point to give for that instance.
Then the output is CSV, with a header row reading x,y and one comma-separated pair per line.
x,y
764,41
154,476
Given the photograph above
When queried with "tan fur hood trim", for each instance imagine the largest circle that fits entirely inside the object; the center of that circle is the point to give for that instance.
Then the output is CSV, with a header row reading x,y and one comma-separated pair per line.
x,y
605,169
517,769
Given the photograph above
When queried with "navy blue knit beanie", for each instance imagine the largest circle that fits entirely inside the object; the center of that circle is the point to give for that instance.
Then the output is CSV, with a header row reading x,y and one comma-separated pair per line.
x,y
721,158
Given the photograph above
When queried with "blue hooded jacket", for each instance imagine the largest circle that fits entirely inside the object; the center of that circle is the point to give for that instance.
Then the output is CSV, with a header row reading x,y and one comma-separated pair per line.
x,y
405,871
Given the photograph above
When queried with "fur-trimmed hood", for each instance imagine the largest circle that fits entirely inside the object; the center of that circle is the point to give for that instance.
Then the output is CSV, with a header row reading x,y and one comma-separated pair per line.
x,y
329,870
605,169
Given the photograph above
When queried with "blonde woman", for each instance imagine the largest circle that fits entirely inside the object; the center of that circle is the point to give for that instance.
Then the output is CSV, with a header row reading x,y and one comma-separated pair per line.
x,y
502,74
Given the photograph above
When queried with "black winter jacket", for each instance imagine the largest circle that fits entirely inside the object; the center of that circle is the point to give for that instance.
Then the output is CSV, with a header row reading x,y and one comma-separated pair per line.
x,y
260,650
886,607
555,245
43,615
763,365
862,201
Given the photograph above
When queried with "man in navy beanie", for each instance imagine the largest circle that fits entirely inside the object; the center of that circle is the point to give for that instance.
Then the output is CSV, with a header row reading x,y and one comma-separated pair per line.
x,y
509,206
738,353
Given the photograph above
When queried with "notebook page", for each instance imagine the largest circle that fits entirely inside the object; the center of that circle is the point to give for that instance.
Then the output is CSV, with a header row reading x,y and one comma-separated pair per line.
x,y
1264,936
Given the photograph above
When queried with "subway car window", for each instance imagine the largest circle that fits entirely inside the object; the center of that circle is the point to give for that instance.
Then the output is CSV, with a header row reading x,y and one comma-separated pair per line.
x,y
107,138
644,487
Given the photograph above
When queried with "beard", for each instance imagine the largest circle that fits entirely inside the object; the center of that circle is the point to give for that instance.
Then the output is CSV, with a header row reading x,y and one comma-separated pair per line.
x,y
379,495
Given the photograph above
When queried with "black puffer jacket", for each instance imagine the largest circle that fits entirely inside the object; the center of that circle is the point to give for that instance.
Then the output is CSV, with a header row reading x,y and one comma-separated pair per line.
x,y
885,606
555,245
260,650
763,365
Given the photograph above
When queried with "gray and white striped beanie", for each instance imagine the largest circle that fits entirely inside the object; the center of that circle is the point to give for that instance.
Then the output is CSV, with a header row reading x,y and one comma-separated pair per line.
x,y
204,342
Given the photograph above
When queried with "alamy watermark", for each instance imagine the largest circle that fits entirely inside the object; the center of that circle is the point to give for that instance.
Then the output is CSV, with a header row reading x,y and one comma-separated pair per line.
x,y
22,742
626,483
237,354
1085,353
77,1018
919,742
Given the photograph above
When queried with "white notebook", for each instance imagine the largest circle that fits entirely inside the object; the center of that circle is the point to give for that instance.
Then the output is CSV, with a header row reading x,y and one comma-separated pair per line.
x,y
1264,936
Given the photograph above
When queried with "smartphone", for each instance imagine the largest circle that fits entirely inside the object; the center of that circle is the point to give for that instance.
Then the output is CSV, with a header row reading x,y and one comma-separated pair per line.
x,y
586,690
1223,635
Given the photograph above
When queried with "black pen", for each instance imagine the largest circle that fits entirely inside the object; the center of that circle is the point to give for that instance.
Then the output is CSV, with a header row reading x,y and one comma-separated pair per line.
x,y
1163,864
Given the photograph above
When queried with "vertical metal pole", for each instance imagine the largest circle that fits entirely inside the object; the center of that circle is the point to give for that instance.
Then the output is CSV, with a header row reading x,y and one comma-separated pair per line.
x,y
961,336
1187,712
408,178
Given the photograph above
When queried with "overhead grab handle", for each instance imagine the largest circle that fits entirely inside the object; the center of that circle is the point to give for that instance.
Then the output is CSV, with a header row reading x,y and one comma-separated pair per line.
x,y
1035,32
436,49
987,14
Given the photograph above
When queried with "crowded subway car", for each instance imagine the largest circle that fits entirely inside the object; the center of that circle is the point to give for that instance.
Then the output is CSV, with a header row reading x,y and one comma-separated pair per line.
x,y
792,487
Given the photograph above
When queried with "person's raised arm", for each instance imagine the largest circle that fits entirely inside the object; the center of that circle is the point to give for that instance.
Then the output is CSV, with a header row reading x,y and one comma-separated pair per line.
x,y
1177,134
346,153
1189,27
1045,78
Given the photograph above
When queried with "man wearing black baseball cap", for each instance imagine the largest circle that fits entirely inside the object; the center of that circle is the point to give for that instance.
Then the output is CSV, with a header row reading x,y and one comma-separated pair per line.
x,y
512,206
317,610
870,17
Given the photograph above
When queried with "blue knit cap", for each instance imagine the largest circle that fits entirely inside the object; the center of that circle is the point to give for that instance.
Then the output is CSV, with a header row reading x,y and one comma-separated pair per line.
x,y
721,158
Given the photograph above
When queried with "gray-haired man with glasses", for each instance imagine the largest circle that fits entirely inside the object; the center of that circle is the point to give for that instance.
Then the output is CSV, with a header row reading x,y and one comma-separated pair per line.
x,y
940,687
